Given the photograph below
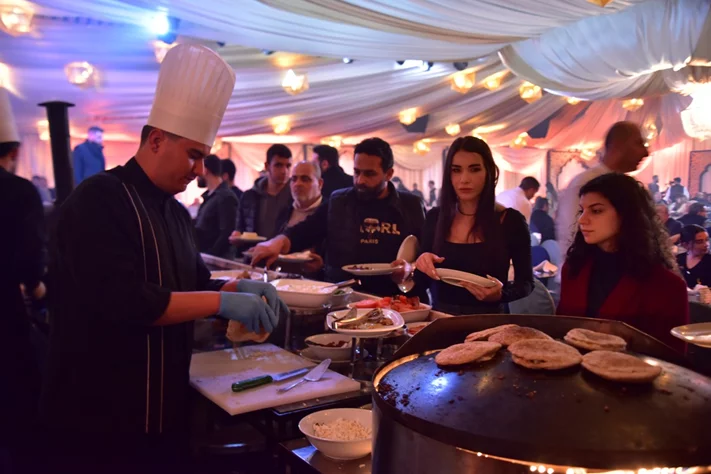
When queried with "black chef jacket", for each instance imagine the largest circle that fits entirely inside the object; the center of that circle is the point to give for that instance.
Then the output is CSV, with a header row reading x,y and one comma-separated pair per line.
x,y
121,246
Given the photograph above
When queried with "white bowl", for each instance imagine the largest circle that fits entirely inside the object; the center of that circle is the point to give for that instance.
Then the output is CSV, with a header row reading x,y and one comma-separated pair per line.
x,y
340,450
333,353
304,293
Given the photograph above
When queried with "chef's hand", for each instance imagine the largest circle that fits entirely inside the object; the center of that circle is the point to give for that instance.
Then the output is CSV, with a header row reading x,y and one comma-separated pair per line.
x,y
249,310
266,290
425,264
490,295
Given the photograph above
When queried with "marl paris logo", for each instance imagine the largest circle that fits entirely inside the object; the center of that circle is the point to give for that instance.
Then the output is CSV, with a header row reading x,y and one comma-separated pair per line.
x,y
371,227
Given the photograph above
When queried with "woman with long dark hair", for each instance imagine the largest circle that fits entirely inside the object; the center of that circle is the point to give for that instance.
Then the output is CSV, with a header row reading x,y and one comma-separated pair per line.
x,y
695,263
471,233
620,265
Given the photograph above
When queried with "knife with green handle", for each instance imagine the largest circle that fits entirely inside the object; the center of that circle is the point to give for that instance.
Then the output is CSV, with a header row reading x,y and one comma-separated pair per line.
x,y
267,379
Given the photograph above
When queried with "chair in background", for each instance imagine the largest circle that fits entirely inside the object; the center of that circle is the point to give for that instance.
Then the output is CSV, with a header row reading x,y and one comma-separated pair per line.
x,y
538,255
539,301
554,253
700,357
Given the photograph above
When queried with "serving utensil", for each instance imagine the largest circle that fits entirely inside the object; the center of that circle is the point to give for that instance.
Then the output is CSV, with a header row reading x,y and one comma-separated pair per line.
x,y
313,376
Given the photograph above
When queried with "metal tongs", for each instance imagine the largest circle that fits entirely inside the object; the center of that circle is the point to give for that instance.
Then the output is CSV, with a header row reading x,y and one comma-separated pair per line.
x,y
351,318
343,284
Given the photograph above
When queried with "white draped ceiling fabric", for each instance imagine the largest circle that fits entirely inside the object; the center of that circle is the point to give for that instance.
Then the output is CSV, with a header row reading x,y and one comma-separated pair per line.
x,y
653,49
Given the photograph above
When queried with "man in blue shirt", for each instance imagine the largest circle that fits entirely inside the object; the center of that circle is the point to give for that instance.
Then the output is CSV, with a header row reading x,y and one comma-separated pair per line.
x,y
89,156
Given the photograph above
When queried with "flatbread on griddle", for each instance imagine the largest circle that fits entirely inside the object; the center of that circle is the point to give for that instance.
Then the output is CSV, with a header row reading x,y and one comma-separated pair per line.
x,y
484,335
594,341
512,335
468,352
620,367
544,354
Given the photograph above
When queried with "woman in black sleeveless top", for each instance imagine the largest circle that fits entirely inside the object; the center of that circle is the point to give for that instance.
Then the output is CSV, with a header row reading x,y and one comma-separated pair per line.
x,y
471,233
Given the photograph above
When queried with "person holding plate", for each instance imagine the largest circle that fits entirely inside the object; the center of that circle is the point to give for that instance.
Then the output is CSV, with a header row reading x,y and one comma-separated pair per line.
x,y
469,232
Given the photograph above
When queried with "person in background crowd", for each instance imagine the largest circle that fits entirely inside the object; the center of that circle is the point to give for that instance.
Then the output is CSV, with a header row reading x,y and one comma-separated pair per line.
x,y
399,185
620,264
229,170
22,262
417,192
270,196
695,263
673,226
654,185
89,156
42,187
433,193
470,232
659,198
676,190
702,199
333,175
363,224
695,216
679,206
624,151
541,221
128,283
520,198
218,213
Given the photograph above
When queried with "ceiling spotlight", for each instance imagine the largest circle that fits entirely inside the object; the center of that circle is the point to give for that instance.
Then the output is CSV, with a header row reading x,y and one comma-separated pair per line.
x,y
221,44
164,27
400,63
267,52
426,65
460,66
347,60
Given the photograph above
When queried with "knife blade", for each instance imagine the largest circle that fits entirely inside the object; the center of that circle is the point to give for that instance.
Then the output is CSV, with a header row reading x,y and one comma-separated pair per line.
x,y
267,379
313,376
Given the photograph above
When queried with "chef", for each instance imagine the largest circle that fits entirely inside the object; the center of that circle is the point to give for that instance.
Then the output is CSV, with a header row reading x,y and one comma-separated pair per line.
x,y
128,282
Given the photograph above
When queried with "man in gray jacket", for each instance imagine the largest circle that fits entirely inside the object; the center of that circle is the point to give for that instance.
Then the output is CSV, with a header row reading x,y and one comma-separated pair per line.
x,y
89,156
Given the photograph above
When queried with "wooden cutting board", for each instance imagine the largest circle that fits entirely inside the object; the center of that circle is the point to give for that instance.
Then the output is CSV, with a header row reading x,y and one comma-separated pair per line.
x,y
212,374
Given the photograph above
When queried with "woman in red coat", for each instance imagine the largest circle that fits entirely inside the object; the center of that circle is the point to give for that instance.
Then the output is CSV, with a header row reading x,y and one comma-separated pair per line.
x,y
620,265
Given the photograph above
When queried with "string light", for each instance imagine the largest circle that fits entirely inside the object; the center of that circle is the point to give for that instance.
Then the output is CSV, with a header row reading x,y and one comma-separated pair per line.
x,y
281,125
632,104
217,146
463,81
421,147
334,141
17,20
573,100
80,73
453,129
650,131
43,130
600,3
530,92
520,142
294,83
4,76
408,116
493,82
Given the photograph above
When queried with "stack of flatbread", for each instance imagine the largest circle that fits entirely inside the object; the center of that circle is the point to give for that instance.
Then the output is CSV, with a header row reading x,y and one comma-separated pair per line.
x,y
620,367
594,341
513,335
467,353
544,354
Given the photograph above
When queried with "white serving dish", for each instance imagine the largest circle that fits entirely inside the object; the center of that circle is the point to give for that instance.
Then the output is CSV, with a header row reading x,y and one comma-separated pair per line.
x,y
370,269
698,334
455,277
340,450
396,318
304,293
413,316
333,353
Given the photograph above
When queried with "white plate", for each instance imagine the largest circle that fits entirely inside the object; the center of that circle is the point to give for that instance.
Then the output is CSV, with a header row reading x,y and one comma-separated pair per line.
x,y
380,332
304,293
370,269
698,334
298,257
412,316
409,249
455,277
229,274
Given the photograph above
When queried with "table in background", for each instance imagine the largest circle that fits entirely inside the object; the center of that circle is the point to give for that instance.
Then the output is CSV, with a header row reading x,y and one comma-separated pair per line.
x,y
298,456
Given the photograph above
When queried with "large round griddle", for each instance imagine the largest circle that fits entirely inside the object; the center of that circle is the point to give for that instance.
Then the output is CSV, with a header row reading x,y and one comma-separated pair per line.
x,y
566,418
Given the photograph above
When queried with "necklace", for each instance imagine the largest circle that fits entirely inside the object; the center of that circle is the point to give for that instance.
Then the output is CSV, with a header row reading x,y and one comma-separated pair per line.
x,y
464,213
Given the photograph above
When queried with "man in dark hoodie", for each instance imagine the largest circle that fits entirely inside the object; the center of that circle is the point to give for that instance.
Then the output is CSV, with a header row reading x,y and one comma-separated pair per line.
x,y
262,205
89,156
332,174
218,213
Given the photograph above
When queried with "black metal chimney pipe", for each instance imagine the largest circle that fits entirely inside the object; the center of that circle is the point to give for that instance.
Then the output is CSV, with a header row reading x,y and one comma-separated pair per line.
x,y
58,120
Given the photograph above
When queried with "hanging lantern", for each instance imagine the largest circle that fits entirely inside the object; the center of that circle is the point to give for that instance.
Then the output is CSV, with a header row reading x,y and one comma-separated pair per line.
x,y
43,130
696,118
421,147
520,141
587,154
160,49
632,104
650,131
573,100
463,81
408,116
453,129
281,125
334,141
80,73
493,82
600,3
530,92
217,146
294,83
16,20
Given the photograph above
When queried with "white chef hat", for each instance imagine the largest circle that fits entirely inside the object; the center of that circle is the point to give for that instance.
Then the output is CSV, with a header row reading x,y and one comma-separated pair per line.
x,y
8,128
194,86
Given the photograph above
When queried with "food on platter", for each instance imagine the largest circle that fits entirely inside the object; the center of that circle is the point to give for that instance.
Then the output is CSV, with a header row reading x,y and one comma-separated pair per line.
x,y
594,341
340,343
486,333
359,267
305,287
512,335
249,235
620,367
305,255
374,319
237,332
544,354
414,328
466,353
342,429
399,303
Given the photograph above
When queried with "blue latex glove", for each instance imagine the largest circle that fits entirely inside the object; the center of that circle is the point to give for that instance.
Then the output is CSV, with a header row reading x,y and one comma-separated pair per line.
x,y
249,310
266,290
